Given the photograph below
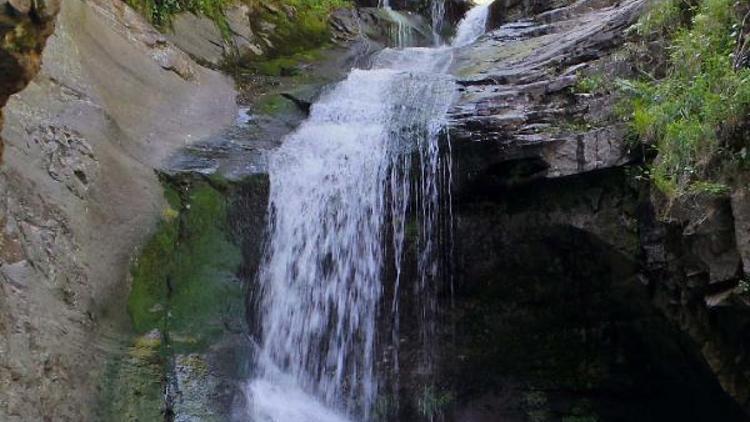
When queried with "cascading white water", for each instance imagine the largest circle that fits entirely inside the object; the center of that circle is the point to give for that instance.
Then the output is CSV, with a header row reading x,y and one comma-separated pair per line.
x,y
473,25
341,185
401,32
437,15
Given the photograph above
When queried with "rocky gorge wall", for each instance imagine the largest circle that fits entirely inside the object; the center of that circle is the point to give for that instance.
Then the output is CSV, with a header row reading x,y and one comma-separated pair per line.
x,y
112,99
126,258
542,155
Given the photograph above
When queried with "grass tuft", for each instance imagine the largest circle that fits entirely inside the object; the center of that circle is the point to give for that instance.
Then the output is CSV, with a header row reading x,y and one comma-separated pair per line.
x,y
702,96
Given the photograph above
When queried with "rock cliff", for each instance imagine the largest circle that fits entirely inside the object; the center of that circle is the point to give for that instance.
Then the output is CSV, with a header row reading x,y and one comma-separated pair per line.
x,y
542,153
113,98
132,210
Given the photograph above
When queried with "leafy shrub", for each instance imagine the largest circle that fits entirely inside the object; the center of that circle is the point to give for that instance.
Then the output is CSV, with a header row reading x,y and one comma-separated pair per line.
x,y
590,84
684,114
663,17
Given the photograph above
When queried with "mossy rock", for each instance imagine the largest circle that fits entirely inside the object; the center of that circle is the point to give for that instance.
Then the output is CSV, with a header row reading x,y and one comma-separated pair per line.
x,y
185,293
184,281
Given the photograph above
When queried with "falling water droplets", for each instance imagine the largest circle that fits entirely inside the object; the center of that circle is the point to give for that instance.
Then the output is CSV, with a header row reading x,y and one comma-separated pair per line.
x,y
343,185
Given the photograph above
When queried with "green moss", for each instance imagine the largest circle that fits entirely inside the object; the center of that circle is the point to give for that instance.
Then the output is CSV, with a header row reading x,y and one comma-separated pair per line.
x,y
272,104
204,288
148,296
702,95
303,30
288,64
300,33
183,290
711,188
147,348
133,385
282,66
183,283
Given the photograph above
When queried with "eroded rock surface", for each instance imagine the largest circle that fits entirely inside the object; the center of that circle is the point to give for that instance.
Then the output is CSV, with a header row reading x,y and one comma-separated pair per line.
x,y
24,28
526,121
112,100
517,108
692,261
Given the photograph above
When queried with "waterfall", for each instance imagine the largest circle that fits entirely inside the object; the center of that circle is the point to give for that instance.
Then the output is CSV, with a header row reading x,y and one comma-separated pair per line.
x,y
472,26
401,32
341,189
437,16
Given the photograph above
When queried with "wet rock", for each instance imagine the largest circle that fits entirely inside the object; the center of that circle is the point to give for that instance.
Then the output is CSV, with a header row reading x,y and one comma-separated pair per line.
x,y
547,311
379,25
301,104
524,134
195,385
517,93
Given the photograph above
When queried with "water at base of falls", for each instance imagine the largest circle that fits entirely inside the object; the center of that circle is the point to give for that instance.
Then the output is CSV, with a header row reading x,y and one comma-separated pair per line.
x,y
341,187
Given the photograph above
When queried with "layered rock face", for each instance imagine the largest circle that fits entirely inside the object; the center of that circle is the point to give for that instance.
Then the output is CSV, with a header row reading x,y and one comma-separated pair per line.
x,y
546,184
694,255
112,100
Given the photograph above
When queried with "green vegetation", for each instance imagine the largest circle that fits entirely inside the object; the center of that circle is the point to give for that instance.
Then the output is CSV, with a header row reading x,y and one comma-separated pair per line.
x,y
132,388
536,405
271,104
689,113
300,32
183,291
184,279
287,65
663,17
160,12
299,24
590,84
302,26
23,37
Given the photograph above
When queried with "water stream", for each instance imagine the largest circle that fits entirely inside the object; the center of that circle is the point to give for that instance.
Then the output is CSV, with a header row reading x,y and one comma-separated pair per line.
x,y
342,188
